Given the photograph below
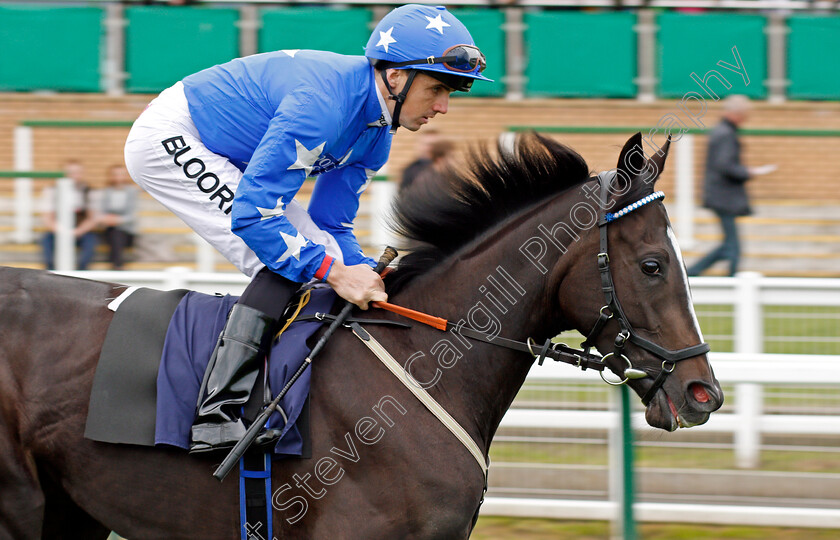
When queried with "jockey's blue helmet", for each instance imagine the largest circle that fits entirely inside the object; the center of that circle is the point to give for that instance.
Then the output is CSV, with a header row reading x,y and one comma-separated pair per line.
x,y
428,39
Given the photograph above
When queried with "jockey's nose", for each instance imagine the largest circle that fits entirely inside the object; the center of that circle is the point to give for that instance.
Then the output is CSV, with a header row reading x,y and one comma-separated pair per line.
x,y
442,104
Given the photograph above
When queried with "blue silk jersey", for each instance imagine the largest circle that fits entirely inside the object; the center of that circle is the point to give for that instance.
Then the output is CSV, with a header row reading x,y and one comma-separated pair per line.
x,y
281,117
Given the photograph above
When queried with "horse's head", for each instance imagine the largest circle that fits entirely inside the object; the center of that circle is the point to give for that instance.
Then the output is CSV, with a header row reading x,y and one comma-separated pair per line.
x,y
635,305
620,280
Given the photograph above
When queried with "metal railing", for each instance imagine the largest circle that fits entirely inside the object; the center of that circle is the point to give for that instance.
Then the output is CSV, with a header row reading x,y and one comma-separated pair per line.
x,y
748,369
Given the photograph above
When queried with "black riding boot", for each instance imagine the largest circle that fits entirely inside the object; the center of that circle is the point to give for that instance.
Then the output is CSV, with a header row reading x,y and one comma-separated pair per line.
x,y
230,377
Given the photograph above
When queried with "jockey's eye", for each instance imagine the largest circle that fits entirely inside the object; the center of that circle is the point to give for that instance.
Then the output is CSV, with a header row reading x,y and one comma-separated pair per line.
x,y
651,267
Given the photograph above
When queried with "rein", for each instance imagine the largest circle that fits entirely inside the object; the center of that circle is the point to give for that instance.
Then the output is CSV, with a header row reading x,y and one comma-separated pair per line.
x,y
559,352
583,358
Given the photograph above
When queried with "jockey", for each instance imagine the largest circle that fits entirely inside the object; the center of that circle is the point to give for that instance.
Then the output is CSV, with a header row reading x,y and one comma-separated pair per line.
x,y
228,148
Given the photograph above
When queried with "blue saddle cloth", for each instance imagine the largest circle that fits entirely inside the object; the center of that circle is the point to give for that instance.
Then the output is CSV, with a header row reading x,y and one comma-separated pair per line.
x,y
190,339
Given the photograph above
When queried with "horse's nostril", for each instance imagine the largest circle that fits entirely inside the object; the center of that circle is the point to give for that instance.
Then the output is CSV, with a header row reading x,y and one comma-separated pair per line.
x,y
699,393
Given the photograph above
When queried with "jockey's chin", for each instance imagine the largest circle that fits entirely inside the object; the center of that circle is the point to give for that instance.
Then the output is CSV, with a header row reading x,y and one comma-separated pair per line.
x,y
414,124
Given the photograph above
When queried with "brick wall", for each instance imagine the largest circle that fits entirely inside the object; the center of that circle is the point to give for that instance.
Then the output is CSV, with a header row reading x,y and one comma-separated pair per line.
x,y
808,165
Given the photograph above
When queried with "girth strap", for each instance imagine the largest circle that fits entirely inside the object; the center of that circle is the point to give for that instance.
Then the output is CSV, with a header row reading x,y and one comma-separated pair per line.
x,y
255,516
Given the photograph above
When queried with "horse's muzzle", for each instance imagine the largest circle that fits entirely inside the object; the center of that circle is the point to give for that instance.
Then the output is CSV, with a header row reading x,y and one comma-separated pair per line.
x,y
692,407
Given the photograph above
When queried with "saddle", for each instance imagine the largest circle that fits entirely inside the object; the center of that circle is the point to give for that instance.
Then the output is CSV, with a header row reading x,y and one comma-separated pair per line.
x,y
154,356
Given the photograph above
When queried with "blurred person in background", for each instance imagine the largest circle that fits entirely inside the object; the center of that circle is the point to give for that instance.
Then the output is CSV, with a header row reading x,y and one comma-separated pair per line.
x,y
85,217
118,203
724,188
423,158
443,154
441,158
228,148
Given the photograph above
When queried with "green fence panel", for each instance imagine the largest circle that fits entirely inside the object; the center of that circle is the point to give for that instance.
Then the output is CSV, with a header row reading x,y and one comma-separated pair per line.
x,y
580,54
50,48
165,44
814,57
485,26
690,47
344,31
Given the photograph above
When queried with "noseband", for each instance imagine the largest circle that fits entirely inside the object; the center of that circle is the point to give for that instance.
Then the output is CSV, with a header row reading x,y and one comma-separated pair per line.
x,y
612,308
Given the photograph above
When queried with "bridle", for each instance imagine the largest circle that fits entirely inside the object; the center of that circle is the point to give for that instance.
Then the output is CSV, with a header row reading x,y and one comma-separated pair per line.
x,y
583,358
612,307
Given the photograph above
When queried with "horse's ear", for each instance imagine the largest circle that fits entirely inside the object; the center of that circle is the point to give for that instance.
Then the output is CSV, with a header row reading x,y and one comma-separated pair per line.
x,y
632,161
658,160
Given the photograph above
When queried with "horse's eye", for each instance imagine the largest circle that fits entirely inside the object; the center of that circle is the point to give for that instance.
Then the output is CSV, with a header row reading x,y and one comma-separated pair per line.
x,y
650,267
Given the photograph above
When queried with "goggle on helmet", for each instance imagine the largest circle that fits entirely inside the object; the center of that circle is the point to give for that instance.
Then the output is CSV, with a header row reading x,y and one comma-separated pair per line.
x,y
459,59
429,39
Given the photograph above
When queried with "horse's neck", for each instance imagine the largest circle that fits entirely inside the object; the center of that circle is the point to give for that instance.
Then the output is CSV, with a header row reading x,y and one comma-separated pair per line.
x,y
493,288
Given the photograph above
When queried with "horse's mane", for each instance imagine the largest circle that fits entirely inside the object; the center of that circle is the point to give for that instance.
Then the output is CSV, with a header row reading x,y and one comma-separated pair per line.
x,y
443,212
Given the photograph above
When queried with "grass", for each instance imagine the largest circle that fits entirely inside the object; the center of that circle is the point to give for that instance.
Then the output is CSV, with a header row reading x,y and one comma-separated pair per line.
x,y
787,329
497,528
595,396
662,457
506,528
802,330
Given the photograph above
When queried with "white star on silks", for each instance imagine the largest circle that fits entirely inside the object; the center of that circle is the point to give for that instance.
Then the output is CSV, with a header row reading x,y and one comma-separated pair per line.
x,y
306,158
370,173
293,245
385,39
437,23
268,213
290,52
345,158
364,186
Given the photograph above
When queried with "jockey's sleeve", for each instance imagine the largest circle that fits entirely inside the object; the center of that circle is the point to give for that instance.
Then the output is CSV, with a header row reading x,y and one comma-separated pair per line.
x,y
334,205
296,137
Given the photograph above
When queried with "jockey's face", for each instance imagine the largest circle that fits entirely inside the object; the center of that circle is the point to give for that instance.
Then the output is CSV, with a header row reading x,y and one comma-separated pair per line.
x,y
426,98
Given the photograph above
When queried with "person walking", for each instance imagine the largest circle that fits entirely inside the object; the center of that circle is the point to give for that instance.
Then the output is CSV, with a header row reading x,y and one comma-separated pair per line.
x,y
724,188
228,148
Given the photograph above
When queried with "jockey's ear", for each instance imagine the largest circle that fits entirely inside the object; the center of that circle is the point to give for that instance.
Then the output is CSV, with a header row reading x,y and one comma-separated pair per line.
x,y
396,78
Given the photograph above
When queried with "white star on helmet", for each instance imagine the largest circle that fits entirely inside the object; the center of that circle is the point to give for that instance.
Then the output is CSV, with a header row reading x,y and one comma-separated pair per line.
x,y
385,38
437,23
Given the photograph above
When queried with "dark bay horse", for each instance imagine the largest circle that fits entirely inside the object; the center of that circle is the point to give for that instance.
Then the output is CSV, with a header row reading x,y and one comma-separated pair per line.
x,y
511,248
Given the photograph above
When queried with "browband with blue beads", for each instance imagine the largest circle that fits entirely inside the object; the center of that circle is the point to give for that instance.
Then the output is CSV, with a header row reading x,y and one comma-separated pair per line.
x,y
610,216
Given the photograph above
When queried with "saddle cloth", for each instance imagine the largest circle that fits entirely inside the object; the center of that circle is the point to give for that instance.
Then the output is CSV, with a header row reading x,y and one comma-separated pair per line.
x,y
120,414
